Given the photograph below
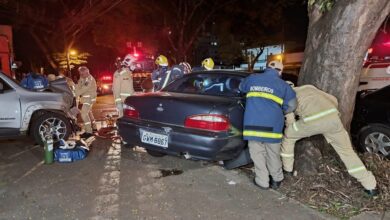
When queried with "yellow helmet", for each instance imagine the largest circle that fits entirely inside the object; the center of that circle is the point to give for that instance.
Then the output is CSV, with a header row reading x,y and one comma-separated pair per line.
x,y
162,60
208,63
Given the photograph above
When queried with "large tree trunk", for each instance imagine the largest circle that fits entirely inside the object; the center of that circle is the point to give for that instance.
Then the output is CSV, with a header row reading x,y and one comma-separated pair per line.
x,y
335,47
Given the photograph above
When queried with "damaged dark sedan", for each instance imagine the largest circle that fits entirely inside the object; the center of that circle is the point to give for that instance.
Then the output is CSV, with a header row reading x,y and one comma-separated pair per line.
x,y
198,116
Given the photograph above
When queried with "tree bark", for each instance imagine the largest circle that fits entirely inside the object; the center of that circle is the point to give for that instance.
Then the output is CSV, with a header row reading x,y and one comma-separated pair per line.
x,y
335,47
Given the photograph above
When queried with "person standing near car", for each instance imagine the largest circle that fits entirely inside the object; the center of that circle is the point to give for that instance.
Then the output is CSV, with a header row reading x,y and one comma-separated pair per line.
x,y
318,114
268,97
176,72
122,85
86,91
159,74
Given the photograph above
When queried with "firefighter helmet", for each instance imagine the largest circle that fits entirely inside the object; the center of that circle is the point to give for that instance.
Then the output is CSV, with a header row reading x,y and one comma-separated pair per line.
x,y
128,60
162,60
186,67
208,63
276,65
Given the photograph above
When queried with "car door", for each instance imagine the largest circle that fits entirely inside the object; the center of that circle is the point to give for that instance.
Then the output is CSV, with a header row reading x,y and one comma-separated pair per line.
x,y
10,114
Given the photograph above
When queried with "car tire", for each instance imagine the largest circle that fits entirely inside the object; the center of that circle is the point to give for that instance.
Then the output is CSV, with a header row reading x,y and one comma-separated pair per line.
x,y
62,129
375,139
155,153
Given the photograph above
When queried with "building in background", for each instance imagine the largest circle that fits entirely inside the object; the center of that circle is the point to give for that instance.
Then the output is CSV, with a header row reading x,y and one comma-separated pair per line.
x,y
6,51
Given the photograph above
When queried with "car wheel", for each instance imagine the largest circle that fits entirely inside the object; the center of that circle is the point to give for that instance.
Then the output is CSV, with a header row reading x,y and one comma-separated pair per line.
x,y
52,124
375,139
155,153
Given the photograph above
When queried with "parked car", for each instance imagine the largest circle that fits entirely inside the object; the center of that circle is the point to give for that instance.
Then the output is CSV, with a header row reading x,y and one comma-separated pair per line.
x,y
370,126
198,116
26,112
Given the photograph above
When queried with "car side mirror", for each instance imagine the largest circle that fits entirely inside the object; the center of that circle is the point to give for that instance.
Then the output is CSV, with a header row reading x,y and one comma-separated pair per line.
x,y
1,87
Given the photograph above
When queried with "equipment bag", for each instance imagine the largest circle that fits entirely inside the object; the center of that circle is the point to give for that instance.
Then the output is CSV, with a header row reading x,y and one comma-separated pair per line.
x,y
79,152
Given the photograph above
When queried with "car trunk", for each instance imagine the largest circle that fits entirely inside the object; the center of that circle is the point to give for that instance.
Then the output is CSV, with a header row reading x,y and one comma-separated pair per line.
x,y
173,108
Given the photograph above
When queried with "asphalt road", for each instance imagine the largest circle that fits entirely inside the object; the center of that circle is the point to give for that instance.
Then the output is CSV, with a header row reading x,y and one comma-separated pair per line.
x,y
114,182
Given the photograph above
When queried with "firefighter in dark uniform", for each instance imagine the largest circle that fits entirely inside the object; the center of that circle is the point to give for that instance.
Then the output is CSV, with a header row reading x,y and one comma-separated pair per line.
x,y
268,98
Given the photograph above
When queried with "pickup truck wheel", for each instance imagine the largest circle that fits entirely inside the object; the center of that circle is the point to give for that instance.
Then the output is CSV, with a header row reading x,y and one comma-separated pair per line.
x,y
56,125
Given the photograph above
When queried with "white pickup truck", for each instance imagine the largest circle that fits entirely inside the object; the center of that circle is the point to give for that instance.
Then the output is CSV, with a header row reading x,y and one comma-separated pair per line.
x,y
26,112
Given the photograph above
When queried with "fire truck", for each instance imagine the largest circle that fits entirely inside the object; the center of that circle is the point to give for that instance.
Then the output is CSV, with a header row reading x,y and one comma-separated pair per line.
x,y
6,51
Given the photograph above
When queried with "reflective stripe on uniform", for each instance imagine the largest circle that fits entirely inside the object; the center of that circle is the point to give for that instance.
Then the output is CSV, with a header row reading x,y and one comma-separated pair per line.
x,y
319,115
86,96
118,100
86,103
286,155
357,169
93,100
87,123
263,134
125,94
295,126
266,96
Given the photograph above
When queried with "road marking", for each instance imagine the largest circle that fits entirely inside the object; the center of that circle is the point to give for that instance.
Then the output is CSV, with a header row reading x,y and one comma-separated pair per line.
x,y
30,171
23,151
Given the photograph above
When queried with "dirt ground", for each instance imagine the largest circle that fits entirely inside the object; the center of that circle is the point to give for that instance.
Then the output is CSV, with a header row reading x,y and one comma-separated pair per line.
x,y
335,192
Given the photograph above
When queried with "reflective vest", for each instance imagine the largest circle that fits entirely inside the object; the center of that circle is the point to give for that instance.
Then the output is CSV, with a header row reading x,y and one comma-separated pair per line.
x,y
122,85
267,96
314,104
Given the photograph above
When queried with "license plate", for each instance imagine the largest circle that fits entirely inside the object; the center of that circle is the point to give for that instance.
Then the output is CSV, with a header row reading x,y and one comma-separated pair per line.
x,y
152,138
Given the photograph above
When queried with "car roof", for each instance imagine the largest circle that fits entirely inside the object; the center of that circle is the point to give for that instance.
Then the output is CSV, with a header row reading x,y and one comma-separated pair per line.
x,y
218,71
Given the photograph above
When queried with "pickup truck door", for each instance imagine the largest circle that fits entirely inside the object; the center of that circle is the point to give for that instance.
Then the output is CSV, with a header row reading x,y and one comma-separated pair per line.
x,y
10,115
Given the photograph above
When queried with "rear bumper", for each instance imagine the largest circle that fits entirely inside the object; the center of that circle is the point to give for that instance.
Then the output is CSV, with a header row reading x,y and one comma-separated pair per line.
x,y
199,144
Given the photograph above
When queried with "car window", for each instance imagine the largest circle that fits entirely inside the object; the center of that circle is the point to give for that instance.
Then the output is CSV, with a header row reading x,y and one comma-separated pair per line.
x,y
381,94
207,84
6,87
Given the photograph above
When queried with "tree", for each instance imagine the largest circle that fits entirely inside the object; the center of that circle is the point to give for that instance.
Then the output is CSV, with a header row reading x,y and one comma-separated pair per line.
x,y
339,34
69,60
126,24
182,21
55,25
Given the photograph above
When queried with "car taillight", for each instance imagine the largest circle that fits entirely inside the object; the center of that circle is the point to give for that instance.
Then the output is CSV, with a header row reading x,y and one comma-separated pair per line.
x,y
130,112
211,122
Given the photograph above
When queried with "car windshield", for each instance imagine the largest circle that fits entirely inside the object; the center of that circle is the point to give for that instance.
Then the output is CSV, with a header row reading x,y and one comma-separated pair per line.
x,y
11,79
207,84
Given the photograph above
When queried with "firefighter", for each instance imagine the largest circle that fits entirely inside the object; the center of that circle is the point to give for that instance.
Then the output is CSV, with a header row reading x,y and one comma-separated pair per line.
x,y
177,71
268,97
318,114
159,75
207,64
122,85
86,90
35,81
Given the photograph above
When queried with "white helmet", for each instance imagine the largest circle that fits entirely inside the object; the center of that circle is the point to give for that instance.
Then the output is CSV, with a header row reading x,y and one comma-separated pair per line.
x,y
129,60
186,66
276,65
